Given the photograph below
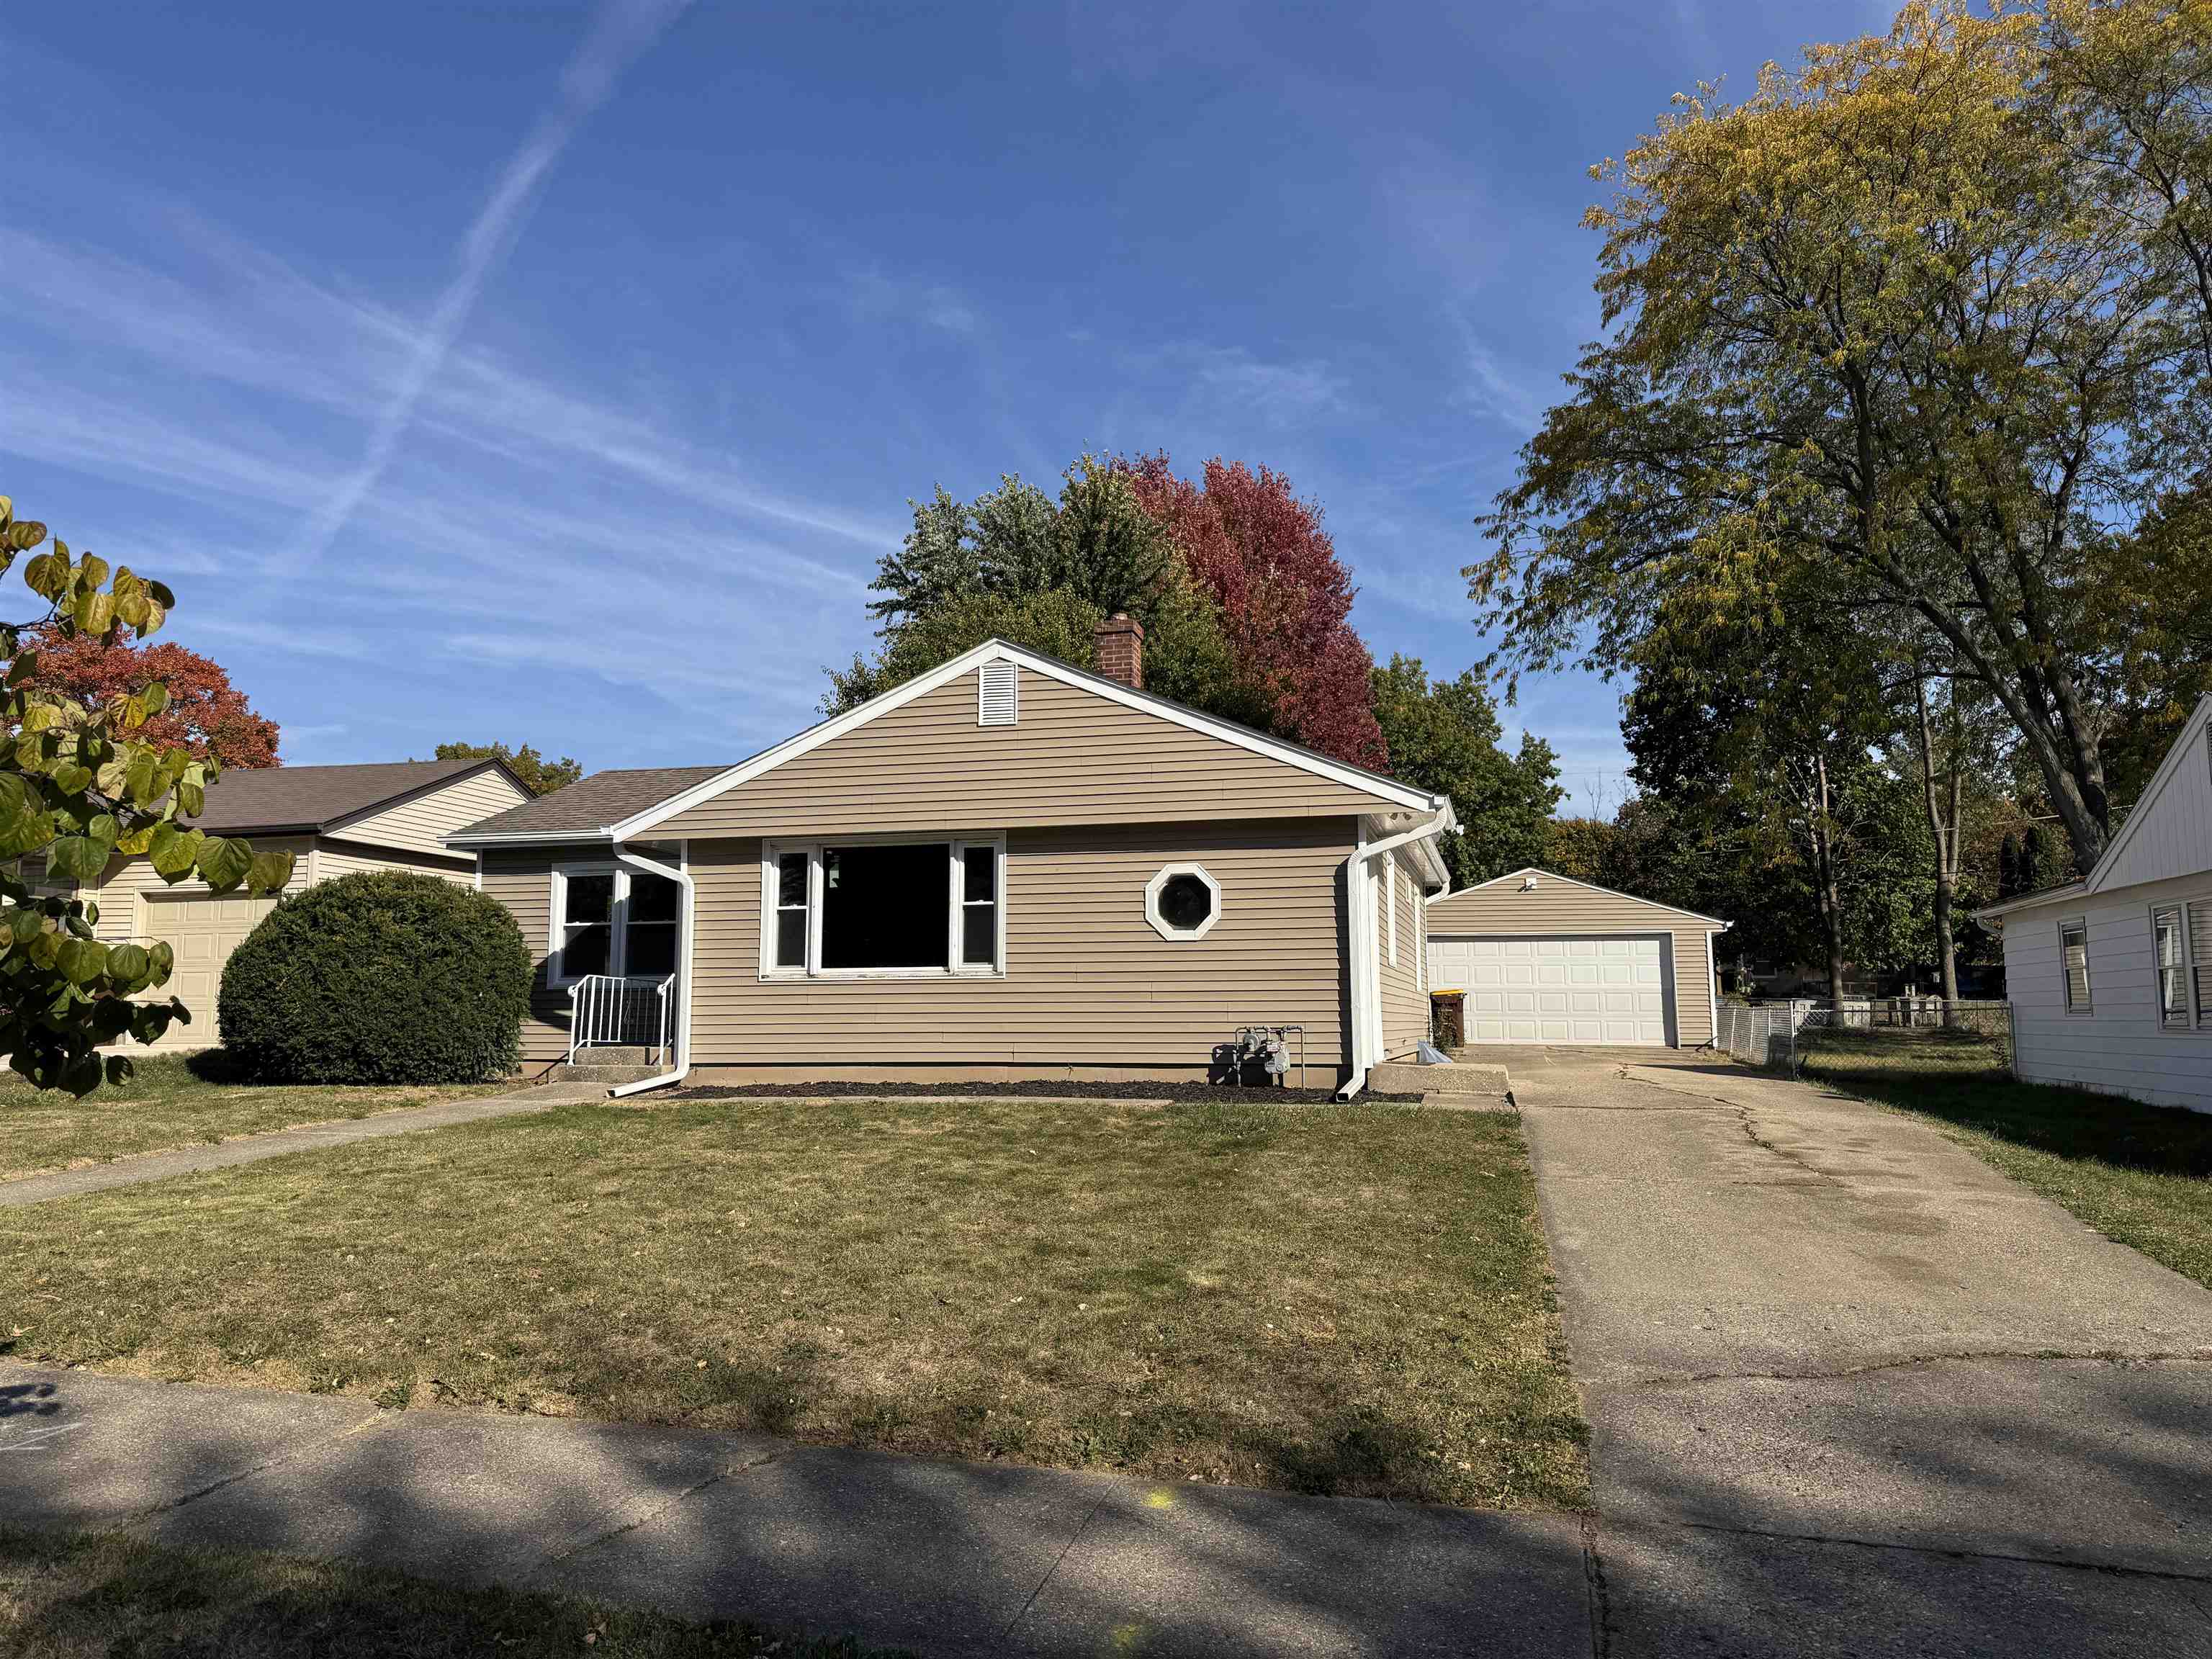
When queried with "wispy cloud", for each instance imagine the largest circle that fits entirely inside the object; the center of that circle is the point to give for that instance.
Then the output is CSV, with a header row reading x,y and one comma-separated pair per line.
x,y
622,32
1488,389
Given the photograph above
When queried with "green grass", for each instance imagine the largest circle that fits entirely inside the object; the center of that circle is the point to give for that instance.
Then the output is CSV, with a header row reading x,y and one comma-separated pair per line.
x,y
2142,1174
1340,1299
176,1100
75,1597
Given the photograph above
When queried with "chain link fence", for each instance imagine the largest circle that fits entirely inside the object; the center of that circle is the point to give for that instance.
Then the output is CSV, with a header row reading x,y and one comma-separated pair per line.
x,y
1893,1038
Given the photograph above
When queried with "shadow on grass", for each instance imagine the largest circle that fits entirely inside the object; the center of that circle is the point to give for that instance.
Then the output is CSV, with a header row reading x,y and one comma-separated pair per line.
x,y
73,1597
2068,1123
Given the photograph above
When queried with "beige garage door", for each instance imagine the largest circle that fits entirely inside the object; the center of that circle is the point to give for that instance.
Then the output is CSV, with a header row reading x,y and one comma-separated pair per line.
x,y
203,930
1558,990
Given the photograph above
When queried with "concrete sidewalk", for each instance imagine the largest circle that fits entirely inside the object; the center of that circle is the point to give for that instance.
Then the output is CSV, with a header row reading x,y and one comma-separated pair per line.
x,y
943,1558
1852,1391
280,1143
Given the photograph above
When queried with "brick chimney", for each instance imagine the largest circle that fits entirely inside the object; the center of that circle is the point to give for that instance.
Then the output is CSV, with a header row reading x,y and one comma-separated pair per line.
x,y
1120,646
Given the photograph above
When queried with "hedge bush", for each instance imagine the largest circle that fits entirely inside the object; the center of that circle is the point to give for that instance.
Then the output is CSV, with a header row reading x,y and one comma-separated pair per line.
x,y
383,977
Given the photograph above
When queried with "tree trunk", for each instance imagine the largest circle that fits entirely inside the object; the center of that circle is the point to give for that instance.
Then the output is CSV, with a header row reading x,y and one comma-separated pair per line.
x,y
1829,888
1945,833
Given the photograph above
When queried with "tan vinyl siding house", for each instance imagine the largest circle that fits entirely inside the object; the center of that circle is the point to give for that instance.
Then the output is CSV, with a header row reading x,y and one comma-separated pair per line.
x,y
1543,958
1011,868
2111,977
316,813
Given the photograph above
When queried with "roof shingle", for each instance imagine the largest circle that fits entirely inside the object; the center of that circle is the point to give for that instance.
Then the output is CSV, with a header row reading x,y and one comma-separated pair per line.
x,y
264,800
589,804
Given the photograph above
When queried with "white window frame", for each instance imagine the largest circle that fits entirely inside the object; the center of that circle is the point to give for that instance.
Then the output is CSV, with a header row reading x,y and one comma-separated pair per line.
x,y
1166,874
956,906
2191,1014
2087,1009
557,976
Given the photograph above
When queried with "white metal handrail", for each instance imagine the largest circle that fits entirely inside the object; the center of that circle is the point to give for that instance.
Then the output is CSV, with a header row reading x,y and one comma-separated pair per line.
x,y
613,1011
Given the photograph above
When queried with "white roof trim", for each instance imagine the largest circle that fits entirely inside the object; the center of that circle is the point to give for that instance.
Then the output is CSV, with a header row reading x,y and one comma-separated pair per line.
x,y
999,651
2110,859
1588,887
2072,889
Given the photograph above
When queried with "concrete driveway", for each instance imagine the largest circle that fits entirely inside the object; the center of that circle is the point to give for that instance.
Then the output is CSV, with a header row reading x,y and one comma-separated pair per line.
x,y
1851,1390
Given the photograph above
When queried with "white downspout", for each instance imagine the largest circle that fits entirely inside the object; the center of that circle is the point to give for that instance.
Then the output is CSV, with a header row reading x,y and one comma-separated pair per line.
x,y
1366,975
686,921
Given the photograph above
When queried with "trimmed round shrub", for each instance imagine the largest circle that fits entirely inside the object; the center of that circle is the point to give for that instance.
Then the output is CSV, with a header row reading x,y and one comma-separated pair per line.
x,y
382,978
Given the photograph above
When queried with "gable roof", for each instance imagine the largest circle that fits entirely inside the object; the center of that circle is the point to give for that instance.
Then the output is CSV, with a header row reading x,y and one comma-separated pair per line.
x,y
271,800
1715,922
2104,874
588,806
626,812
2109,863
1387,790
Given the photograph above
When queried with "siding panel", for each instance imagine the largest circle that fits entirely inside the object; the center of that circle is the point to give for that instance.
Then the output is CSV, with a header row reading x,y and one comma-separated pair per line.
x,y
2119,1047
1090,987
1558,907
1075,758
523,882
415,826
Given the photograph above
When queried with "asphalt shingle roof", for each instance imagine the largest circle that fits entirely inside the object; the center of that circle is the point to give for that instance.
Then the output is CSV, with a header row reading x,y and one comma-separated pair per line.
x,y
591,804
267,798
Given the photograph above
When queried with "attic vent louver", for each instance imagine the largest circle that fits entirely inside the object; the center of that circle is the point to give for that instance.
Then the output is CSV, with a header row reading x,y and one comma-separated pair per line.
x,y
998,694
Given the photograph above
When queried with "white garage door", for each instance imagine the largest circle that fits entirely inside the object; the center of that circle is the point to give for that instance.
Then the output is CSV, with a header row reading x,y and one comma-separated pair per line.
x,y
1557,990
203,930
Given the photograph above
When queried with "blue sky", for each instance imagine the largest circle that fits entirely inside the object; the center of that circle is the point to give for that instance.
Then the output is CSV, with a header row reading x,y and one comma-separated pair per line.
x,y
556,373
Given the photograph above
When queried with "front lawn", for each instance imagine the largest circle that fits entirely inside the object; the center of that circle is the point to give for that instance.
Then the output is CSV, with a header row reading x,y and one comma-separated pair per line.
x,y
86,1598
176,1100
1347,1299
2142,1174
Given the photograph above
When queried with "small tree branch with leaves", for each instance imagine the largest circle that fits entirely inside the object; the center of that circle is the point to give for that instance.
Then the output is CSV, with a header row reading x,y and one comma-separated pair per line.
x,y
81,784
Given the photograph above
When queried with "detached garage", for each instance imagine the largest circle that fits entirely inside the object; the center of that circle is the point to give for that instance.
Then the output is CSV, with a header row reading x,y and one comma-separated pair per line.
x,y
1545,959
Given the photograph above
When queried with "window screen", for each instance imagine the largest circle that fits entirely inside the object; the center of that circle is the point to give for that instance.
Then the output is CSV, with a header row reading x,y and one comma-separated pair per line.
x,y
2074,950
979,906
791,911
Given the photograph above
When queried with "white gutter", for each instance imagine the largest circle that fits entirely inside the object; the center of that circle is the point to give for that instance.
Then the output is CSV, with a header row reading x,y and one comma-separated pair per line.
x,y
687,921
1366,969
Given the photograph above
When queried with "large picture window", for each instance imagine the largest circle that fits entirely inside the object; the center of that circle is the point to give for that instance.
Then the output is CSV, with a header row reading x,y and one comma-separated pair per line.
x,y
872,909
609,919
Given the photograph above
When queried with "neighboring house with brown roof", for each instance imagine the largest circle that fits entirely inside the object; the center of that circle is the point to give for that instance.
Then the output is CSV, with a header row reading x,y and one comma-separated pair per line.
x,y
333,820
2111,977
1009,867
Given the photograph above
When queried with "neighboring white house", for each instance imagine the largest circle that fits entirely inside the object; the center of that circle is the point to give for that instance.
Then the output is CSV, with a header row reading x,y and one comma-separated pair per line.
x,y
2111,977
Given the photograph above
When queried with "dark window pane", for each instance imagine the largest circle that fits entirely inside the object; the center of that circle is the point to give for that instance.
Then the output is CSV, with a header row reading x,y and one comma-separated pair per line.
x,y
652,899
590,898
982,873
790,878
791,939
1185,901
649,950
979,935
884,907
585,950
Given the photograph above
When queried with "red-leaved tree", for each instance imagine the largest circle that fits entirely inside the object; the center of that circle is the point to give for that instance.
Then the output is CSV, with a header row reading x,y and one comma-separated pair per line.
x,y
1285,601
206,714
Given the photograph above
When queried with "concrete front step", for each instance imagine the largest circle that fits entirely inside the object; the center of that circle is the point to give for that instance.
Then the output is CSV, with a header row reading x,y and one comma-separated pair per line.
x,y
1395,1078
597,1055
612,1077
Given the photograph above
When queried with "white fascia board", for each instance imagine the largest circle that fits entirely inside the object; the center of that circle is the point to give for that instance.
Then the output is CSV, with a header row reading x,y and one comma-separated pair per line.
x,y
525,838
999,651
2147,802
2072,889
1720,923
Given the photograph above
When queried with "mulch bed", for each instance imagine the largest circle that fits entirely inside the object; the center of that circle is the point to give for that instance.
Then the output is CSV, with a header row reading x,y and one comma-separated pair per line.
x,y
1193,1092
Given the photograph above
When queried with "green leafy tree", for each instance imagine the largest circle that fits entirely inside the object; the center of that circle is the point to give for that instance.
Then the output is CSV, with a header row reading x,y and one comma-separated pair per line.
x,y
1444,736
1016,565
539,776
1906,328
81,785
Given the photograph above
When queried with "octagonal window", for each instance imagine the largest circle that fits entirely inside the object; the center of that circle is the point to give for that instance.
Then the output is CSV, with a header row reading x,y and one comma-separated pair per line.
x,y
1182,902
